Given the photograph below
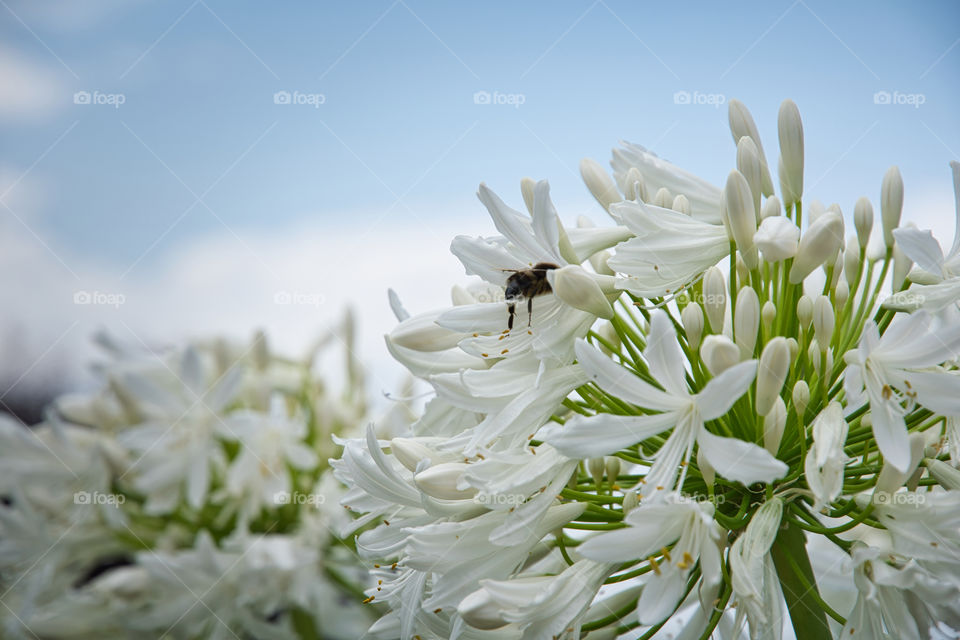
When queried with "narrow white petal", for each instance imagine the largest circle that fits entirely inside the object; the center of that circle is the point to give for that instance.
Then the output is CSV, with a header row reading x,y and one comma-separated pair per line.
x,y
721,392
921,247
739,460
621,382
664,356
587,437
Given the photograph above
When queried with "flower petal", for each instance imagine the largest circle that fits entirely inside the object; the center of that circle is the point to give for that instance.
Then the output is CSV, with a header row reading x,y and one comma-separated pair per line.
x,y
621,382
587,437
740,460
721,392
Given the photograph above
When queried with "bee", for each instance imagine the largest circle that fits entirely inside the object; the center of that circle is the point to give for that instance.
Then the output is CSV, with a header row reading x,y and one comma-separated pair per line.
x,y
526,284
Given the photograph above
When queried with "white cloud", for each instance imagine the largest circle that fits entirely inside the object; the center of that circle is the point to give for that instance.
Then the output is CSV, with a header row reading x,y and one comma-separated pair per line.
x,y
29,91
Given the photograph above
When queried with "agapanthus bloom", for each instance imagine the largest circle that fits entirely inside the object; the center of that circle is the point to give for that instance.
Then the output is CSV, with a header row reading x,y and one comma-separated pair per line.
x,y
709,420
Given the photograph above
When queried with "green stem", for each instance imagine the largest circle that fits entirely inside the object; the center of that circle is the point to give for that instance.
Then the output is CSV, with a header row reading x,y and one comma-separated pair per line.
x,y
799,585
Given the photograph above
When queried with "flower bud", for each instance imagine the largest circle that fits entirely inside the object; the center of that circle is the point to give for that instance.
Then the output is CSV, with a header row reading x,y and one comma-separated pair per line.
x,y
841,294
774,424
819,244
608,333
786,190
946,475
891,203
459,296
790,129
772,373
804,311
741,217
743,274
814,210
901,267
599,263
851,260
599,183
863,220
742,124
719,354
681,204
574,286
823,321
746,321
527,187
794,347
801,398
813,353
663,198
692,319
748,163
480,610
612,468
777,238
771,207
767,315
440,481
633,185
596,467
714,298
706,469
630,501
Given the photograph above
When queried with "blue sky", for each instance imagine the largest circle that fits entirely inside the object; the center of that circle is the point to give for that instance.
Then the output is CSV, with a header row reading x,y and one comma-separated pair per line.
x,y
199,194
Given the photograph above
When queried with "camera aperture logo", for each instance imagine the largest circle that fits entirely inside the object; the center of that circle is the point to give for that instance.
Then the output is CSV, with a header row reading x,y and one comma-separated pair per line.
x,y
299,98
97,497
99,298
497,98
99,98
714,100
298,298
898,98
311,499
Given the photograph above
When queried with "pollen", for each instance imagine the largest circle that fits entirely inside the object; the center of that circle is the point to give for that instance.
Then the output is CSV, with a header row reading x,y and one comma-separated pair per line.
x,y
504,351
529,332
666,553
438,610
485,355
653,565
686,562
368,600
476,335
386,523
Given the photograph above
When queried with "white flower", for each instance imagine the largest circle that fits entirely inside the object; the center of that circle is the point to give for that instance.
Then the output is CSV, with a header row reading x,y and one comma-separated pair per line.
x,y
669,251
753,576
543,606
683,531
682,411
895,372
825,459
777,238
659,174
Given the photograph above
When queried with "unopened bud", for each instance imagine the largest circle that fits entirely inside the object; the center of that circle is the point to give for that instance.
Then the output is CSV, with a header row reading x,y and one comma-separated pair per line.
x,y
612,469
804,311
818,245
579,289
823,321
719,354
767,315
741,217
481,611
801,398
772,373
681,204
947,475
599,263
901,267
596,467
851,260
778,238
774,424
714,298
748,163
630,501
790,129
440,481
634,188
794,347
891,203
692,319
746,321
610,335
599,183
663,198
706,469
863,220
742,124
771,207
842,293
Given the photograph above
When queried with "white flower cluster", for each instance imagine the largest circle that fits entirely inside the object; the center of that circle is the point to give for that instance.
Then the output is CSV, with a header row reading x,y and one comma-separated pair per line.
x,y
189,498
680,424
